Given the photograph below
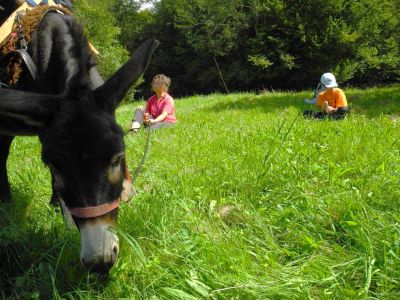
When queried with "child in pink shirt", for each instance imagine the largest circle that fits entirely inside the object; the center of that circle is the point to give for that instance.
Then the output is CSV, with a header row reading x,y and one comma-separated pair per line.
x,y
160,109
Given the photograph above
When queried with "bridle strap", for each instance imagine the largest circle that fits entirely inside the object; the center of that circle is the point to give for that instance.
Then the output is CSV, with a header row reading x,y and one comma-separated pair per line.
x,y
22,51
127,175
31,67
100,210
94,211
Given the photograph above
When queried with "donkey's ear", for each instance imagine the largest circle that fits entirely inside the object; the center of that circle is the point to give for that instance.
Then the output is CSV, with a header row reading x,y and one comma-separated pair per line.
x,y
114,89
23,113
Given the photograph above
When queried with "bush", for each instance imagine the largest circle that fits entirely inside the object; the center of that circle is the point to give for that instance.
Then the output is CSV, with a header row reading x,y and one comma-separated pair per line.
x,y
279,44
103,31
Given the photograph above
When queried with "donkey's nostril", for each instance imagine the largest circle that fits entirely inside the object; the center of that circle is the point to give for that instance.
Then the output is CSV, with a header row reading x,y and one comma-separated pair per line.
x,y
99,247
114,253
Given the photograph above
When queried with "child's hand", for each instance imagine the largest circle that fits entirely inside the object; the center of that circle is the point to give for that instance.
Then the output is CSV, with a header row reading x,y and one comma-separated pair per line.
x,y
325,106
330,109
146,117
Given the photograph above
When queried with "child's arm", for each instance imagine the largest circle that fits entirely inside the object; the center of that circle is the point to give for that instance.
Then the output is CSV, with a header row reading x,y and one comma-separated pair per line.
x,y
326,108
168,109
160,118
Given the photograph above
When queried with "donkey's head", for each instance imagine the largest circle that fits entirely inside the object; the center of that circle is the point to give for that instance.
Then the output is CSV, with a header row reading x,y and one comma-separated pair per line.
x,y
83,146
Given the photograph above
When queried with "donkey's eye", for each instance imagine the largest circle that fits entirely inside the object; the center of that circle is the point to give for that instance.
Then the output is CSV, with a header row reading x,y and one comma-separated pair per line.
x,y
114,169
117,160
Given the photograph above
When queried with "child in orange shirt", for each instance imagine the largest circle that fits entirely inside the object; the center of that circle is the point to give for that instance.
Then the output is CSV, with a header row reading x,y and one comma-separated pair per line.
x,y
332,102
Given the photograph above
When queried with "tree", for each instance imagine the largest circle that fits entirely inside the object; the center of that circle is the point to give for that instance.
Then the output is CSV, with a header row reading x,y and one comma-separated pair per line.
x,y
103,33
280,44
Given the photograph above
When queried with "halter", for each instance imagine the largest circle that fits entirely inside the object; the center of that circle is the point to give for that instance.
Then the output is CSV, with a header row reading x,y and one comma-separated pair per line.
x,y
94,211
99,210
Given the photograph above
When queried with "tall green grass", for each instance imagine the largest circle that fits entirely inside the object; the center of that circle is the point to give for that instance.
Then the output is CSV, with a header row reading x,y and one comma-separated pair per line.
x,y
243,199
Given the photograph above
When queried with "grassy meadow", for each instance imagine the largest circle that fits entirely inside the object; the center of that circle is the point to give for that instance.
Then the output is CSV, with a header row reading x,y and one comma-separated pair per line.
x,y
244,199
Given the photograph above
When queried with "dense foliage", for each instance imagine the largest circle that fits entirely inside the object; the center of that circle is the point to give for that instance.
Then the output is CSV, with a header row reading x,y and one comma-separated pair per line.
x,y
259,44
103,33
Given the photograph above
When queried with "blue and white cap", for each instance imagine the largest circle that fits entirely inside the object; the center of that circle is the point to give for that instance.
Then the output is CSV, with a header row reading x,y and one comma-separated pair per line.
x,y
328,80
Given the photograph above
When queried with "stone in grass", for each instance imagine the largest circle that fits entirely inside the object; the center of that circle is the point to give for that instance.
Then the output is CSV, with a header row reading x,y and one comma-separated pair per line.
x,y
394,118
232,214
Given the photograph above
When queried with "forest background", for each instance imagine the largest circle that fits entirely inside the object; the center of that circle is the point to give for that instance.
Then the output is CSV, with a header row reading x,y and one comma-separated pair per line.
x,y
256,44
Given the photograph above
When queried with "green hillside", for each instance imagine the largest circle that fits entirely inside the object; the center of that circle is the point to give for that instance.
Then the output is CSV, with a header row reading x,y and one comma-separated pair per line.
x,y
244,199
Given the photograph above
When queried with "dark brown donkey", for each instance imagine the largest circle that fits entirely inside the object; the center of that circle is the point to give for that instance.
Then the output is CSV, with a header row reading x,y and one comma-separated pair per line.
x,y
74,117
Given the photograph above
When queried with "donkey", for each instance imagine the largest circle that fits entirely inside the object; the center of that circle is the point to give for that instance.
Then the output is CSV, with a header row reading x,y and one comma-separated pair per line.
x,y
74,117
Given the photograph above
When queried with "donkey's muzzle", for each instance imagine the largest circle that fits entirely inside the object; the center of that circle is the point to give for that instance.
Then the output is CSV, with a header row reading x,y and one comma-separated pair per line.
x,y
102,264
99,246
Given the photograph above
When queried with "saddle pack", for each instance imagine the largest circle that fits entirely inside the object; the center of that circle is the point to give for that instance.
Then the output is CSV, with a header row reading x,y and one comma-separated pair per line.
x,y
13,55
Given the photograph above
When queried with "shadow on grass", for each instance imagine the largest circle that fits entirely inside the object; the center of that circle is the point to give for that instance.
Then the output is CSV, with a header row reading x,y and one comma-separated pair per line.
x,y
369,102
38,261
15,210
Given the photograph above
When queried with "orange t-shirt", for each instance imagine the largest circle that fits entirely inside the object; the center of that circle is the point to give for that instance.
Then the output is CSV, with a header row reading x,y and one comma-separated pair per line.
x,y
335,97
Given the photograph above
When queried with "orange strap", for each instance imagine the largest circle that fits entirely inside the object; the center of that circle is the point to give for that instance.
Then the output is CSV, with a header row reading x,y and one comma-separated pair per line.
x,y
127,174
94,211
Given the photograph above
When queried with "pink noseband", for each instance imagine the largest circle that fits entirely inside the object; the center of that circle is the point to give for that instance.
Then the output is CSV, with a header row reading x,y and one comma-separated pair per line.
x,y
97,211
94,211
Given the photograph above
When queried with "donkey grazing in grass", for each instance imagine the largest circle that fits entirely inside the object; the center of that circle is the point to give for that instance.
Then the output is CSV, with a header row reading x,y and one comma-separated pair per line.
x,y
74,117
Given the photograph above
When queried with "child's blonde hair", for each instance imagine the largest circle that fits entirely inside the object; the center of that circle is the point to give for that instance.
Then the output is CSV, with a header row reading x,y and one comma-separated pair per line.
x,y
160,80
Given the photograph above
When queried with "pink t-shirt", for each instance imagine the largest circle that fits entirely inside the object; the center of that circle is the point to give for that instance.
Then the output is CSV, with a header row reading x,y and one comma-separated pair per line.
x,y
156,107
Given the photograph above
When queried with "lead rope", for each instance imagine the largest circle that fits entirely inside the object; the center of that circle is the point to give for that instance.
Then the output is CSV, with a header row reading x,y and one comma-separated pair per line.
x,y
146,150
